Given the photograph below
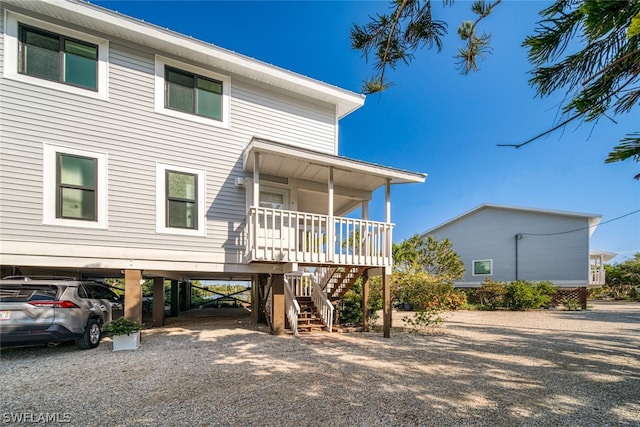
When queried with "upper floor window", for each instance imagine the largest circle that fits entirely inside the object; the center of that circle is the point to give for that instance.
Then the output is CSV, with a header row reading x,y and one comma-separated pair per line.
x,y
55,57
59,58
191,93
180,201
74,187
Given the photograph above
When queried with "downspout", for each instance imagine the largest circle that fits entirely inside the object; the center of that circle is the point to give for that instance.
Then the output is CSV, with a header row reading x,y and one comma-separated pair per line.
x,y
518,237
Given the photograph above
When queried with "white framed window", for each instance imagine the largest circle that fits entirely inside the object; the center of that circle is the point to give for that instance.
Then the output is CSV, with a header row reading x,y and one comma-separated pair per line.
x,y
191,93
482,267
180,200
74,187
48,55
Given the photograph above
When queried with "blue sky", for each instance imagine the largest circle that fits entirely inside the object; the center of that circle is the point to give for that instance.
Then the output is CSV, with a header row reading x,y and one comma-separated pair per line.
x,y
434,119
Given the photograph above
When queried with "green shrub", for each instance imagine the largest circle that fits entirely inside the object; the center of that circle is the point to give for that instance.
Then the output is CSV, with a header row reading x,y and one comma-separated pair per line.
x,y
521,295
425,320
122,326
490,294
571,304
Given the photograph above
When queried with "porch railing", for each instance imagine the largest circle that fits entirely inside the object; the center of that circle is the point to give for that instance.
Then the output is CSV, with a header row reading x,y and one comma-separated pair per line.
x,y
291,236
597,276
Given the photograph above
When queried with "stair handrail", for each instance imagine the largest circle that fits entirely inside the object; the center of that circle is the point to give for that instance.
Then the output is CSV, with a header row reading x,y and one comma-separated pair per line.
x,y
292,308
322,303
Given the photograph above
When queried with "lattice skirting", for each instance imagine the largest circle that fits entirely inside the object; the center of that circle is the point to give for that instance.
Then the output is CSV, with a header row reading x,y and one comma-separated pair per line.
x,y
578,294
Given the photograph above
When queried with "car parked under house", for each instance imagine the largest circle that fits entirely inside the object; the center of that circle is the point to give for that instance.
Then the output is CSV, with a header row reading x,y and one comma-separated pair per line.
x,y
130,150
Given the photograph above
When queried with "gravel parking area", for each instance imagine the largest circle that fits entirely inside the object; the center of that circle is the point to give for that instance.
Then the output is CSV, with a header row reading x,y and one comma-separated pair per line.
x,y
482,368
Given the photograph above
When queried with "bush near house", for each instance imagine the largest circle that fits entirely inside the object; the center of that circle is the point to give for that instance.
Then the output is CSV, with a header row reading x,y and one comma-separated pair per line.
x,y
517,295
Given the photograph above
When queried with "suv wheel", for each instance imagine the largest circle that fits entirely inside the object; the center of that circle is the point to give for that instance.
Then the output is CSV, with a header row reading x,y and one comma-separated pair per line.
x,y
91,336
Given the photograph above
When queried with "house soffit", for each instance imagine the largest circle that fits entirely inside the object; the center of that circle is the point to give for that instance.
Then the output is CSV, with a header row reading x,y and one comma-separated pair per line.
x,y
293,162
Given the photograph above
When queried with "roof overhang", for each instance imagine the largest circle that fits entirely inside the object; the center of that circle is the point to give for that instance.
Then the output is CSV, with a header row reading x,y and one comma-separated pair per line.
x,y
287,161
165,41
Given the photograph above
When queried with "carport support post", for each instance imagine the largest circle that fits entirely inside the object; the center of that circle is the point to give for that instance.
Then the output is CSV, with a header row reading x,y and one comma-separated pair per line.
x,y
133,295
158,302
277,304
386,304
365,301
255,299
175,296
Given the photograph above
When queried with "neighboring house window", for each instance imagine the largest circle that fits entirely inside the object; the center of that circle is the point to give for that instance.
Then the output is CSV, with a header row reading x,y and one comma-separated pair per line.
x,y
180,200
483,267
191,93
59,58
74,187
55,57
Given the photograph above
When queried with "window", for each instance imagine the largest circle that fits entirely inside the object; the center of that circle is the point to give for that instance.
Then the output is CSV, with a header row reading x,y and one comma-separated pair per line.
x,y
47,55
59,58
74,187
191,93
483,267
180,200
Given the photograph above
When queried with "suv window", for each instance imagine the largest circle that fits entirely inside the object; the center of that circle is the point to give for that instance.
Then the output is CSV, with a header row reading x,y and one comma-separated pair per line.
x,y
99,292
27,293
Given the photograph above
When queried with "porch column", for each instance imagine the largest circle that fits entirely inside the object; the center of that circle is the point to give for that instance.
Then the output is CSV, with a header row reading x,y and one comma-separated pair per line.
x,y
277,304
365,301
158,302
256,179
255,299
331,244
365,209
387,201
133,295
386,304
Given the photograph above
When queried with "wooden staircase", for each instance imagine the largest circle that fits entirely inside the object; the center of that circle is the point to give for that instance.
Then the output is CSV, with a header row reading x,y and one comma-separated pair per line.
x,y
342,280
309,319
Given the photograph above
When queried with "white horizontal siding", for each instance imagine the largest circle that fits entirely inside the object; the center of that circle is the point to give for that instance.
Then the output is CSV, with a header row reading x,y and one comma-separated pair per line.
x,y
135,137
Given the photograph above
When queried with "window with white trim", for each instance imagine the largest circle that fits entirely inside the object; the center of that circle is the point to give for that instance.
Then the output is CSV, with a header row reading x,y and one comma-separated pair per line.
x,y
52,56
180,200
74,187
482,267
191,93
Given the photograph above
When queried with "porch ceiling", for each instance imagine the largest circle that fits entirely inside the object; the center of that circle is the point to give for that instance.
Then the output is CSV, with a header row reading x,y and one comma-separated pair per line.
x,y
292,162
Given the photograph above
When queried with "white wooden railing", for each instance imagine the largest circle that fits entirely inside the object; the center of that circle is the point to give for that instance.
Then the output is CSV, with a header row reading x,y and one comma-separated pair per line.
x,y
597,276
291,308
291,236
300,283
323,305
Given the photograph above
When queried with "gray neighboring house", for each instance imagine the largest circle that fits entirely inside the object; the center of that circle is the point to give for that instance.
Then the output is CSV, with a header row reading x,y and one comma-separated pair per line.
x,y
507,243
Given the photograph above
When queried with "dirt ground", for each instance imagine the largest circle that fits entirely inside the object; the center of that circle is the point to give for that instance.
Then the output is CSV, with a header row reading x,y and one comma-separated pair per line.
x,y
216,367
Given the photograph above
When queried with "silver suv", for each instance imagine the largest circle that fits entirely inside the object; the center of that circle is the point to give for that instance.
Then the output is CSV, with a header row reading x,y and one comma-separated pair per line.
x,y
50,311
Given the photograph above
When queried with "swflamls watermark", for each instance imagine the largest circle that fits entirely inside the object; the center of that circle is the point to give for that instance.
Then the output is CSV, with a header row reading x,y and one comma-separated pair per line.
x,y
27,417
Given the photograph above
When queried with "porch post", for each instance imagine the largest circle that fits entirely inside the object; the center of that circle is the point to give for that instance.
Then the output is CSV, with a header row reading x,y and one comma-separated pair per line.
x,y
255,299
365,209
331,245
133,295
386,304
158,302
256,179
387,201
277,304
365,301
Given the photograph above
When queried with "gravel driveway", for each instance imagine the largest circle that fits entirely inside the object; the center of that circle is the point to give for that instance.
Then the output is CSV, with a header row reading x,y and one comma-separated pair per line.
x,y
482,368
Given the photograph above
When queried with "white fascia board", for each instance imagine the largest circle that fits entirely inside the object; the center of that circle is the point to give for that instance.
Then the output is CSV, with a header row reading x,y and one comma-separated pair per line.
x,y
165,40
397,176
